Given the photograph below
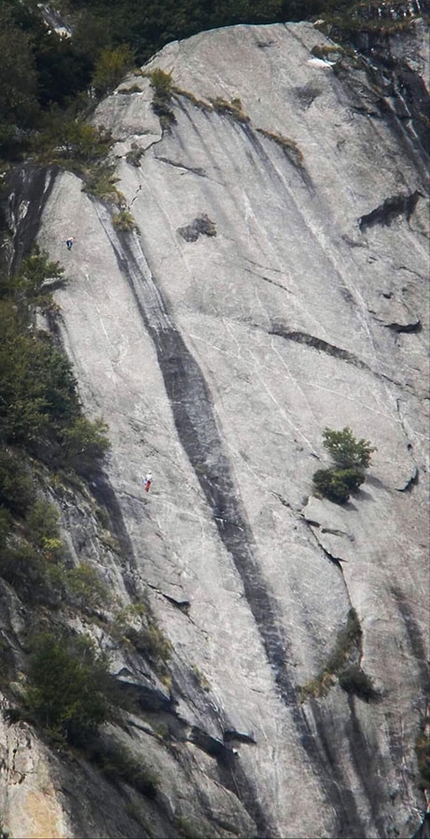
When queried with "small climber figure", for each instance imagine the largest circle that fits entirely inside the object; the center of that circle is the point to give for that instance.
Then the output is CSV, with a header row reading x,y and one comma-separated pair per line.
x,y
148,481
69,242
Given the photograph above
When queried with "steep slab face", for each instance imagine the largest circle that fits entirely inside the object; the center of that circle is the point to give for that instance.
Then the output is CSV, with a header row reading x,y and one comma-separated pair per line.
x,y
275,285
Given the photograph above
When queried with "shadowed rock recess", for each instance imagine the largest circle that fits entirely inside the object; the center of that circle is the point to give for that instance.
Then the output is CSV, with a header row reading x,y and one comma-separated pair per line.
x,y
275,284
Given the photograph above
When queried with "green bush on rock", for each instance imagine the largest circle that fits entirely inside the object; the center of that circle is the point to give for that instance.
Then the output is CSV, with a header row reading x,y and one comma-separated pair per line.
x,y
337,484
101,181
351,457
124,221
345,450
29,288
111,66
85,585
16,487
161,84
42,430
84,443
72,143
119,764
70,689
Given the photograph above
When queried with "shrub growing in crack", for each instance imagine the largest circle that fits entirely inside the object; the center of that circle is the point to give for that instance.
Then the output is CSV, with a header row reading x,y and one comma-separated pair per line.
x,y
72,143
341,665
101,182
202,225
85,585
134,155
83,149
289,146
186,828
337,484
327,50
119,764
126,91
200,678
347,638
351,457
199,103
124,221
137,627
161,84
233,108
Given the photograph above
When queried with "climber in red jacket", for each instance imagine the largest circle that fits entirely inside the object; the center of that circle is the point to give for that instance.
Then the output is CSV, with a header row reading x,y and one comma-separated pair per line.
x,y
148,482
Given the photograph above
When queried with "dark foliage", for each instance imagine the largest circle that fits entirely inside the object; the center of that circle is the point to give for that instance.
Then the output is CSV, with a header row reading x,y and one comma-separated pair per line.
x,y
118,764
351,457
161,84
31,550
39,404
347,639
18,84
337,484
346,450
422,749
70,689
16,486
111,66
147,27
37,387
40,420
39,68
339,662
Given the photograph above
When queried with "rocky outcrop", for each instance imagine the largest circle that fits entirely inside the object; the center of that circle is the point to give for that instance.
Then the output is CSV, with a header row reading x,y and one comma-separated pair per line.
x,y
217,356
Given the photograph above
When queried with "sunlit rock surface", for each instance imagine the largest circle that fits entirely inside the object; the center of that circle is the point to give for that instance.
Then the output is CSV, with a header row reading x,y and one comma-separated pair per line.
x,y
270,290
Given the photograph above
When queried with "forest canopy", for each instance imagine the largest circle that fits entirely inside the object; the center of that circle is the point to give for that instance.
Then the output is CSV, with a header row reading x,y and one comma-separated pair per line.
x,y
43,69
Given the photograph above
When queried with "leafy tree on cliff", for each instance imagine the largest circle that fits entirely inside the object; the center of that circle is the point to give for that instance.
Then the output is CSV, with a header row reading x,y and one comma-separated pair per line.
x,y
351,457
345,450
70,687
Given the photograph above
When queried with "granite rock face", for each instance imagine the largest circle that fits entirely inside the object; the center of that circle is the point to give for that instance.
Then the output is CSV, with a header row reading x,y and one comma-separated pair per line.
x,y
275,285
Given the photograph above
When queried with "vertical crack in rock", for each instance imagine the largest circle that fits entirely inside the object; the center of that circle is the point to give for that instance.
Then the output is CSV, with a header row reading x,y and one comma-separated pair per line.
x,y
362,758
197,429
234,778
414,636
105,496
405,104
